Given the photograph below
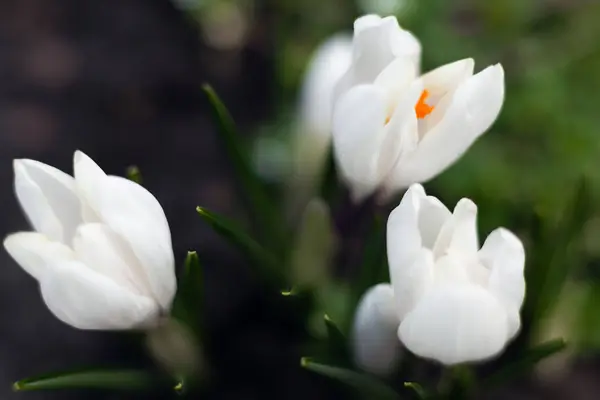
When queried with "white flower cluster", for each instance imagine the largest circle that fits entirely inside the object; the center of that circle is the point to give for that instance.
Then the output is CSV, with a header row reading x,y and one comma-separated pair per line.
x,y
393,128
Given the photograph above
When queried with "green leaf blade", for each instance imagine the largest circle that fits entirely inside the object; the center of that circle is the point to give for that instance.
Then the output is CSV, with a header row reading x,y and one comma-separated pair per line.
x,y
259,204
337,344
188,306
368,386
418,389
98,379
263,260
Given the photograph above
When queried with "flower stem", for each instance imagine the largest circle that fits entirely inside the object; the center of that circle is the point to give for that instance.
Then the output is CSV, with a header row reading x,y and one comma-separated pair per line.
x,y
456,383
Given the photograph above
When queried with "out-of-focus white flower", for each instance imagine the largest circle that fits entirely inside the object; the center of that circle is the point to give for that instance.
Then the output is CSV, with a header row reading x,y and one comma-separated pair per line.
x,y
101,250
454,302
375,331
312,138
327,65
392,128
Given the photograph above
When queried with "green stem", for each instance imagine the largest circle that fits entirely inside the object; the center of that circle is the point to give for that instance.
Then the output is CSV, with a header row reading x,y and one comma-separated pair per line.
x,y
456,383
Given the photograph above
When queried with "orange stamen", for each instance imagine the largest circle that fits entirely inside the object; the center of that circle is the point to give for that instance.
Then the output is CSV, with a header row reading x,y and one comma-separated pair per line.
x,y
423,109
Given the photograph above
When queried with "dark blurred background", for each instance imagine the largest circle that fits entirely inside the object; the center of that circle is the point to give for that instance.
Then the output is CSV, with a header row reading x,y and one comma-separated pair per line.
x,y
121,81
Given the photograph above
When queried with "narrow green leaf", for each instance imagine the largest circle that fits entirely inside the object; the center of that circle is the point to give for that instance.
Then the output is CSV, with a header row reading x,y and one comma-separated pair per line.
x,y
134,174
337,344
113,379
526,362
333,332
554,256
260,205
260,258
333,299
418,389
366,385
188,304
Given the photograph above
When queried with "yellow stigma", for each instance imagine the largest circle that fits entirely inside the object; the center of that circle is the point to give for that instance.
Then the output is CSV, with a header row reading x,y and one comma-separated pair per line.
x,y
423,109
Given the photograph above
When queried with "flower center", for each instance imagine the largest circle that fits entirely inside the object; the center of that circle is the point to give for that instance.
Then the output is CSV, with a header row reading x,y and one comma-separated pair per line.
x,y
421,108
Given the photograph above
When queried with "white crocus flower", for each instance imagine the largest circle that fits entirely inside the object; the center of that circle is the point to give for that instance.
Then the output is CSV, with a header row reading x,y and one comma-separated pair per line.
x,y
398,128
454,302
101,250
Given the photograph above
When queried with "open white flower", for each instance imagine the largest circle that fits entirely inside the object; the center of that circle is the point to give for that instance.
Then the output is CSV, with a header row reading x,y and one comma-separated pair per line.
x,y
454,302
101,250
398,128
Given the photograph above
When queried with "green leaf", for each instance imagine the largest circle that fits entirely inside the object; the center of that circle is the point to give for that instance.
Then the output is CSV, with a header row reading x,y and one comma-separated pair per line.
x,y
260,206
554,256
337,344
366,385
264,261
333,299
188,305
418,389
526,362
314,246
98,379
133,174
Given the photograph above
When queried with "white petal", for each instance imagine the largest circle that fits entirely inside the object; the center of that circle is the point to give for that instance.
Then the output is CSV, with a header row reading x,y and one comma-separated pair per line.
x,y
448,77
395,80
35,253
400,136
403,236
366,21
432,217
373,49
459,235
89,177
135,215
375,342
358,122
405,44
48,197
84,299
455,324
472,109
101,249
412,280
452,270
504,255
329,63
485,95
441,84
